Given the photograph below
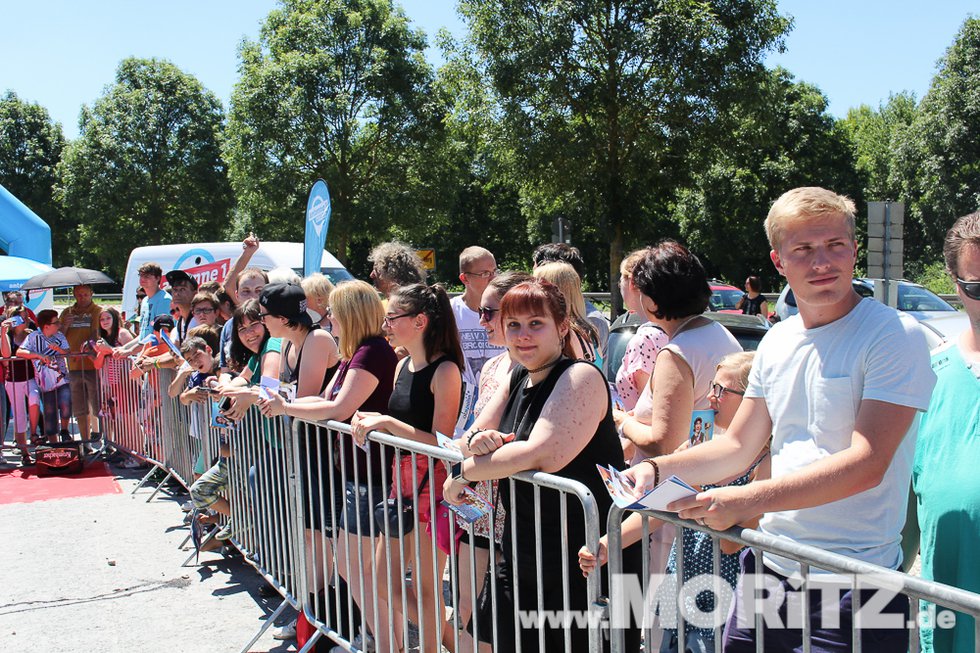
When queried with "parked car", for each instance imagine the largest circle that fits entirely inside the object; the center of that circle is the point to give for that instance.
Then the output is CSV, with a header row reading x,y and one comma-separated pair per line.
x,y
945,327
747,329
916,300
724,297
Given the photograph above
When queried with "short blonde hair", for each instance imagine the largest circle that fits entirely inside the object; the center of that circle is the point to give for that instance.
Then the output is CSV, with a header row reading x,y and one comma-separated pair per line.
x,y
630,260
318,287
801,204
358,309
472,254
739,364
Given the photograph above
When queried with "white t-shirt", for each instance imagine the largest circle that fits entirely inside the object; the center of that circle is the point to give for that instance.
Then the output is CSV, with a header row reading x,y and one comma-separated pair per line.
x,y
476,351
813,382
702,348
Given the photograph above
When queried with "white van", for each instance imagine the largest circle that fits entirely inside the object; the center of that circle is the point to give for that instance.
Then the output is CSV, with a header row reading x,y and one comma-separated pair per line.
x,y
213,261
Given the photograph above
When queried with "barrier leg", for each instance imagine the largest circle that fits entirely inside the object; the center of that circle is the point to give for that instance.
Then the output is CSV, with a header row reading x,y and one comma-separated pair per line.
x,y
311,642
265,626
146,478
160,486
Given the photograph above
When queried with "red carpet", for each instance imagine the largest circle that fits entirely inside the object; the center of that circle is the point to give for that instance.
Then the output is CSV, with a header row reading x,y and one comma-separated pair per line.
x,y
23,485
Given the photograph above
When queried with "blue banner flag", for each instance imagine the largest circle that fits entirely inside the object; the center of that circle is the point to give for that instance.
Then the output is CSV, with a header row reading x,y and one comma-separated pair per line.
x,y
317,222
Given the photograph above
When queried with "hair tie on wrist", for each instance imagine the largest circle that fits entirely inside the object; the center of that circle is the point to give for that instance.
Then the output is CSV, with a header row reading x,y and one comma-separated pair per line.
x,y
473,434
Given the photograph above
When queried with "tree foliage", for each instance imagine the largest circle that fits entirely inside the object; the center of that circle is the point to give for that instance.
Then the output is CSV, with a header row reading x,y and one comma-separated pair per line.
x,y
938,157
602,100
30,148
334,89
146,168
875,134
778,138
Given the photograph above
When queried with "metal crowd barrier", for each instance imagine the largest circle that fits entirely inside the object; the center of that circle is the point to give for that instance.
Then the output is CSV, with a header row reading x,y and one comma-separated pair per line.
x,y
135,410
855,574
357,584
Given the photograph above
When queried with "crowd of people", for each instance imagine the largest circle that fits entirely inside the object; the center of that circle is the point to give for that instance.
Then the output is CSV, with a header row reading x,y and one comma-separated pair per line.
x,y
816,436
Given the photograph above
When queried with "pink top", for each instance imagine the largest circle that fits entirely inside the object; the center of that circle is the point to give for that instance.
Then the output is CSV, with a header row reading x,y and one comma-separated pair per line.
x,y
641,354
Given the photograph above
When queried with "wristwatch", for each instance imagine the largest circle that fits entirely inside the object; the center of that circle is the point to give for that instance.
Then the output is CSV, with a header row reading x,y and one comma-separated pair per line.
x,y
457,474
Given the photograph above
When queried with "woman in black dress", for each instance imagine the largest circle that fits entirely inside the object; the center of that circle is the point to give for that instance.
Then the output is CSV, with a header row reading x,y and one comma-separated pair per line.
x,y
560,414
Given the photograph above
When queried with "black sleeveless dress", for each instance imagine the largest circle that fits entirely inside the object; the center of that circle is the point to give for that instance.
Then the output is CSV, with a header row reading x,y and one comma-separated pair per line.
x,y
526,523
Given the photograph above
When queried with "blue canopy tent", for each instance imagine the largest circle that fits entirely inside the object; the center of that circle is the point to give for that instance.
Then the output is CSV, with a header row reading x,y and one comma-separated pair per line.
x,y
14,271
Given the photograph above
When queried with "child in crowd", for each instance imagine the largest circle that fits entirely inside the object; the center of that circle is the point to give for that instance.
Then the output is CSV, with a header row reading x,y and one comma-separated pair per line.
x,y
727,387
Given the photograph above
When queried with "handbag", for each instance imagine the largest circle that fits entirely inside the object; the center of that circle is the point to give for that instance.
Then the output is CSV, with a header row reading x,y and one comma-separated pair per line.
x,y
58,460
386,513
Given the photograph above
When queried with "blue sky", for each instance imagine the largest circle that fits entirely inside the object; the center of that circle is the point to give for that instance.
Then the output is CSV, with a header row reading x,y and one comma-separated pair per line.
x,y
63,53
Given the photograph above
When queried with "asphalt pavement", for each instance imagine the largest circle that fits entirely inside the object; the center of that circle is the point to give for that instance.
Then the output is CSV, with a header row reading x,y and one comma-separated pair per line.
x,y
104,574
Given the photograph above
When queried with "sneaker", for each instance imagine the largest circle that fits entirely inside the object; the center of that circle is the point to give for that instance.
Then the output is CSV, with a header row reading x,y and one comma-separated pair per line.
x,y
25,460
224,533
66,436
130,463
187,506
286,632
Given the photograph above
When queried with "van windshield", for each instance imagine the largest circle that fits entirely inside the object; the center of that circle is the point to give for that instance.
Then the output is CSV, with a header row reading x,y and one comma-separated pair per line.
x,y
335,275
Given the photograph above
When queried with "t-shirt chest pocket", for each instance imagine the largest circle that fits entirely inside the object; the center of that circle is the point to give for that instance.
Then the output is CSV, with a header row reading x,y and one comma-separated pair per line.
x,y
831,412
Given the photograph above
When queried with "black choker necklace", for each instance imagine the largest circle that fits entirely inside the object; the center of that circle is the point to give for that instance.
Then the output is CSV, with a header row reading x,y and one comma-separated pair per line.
x,y
545,366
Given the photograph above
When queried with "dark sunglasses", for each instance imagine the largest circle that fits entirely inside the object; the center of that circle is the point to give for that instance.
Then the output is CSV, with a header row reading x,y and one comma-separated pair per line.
x,y
970,288
486,312
717,390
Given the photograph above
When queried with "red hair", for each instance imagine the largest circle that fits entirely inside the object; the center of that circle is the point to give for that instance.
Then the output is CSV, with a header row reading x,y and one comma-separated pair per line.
x,y
538,297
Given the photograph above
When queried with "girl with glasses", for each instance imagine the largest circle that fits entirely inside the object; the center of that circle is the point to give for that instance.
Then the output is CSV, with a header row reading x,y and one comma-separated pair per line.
x,y
425,400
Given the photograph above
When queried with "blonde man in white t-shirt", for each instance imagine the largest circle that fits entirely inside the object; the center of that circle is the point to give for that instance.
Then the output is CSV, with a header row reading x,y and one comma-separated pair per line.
x,y
838,387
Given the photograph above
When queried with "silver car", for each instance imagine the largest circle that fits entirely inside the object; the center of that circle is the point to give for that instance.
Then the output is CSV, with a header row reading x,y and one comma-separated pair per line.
x,y
918,301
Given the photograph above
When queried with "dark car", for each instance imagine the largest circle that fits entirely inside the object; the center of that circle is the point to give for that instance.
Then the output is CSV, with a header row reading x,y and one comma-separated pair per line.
x,y
747,329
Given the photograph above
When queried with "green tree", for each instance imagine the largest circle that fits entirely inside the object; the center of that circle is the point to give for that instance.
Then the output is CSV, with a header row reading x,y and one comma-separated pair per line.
x,y
937,158
778,138
146,168
602,100
30,148
875,134
334,89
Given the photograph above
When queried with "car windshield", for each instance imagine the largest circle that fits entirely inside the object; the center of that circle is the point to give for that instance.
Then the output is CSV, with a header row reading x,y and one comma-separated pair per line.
x,y
916,298
723,299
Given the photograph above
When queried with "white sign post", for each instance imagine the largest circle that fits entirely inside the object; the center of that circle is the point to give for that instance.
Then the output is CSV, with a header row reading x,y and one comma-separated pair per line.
x,y
885,262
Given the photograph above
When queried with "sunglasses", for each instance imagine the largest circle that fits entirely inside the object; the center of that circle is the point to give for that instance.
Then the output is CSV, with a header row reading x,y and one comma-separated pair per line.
x,y
717,390
970,288
486,313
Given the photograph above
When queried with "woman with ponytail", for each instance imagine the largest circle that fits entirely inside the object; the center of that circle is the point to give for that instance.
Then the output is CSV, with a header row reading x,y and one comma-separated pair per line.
x,y
425,400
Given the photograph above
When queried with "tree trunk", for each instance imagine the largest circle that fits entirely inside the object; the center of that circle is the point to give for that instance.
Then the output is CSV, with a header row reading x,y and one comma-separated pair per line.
x,y
615,258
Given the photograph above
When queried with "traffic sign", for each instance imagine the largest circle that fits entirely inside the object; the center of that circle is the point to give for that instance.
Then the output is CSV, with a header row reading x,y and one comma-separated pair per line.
x,y
428,257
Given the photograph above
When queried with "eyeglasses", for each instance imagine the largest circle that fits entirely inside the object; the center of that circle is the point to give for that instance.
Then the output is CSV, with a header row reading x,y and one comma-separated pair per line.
x,y
970,288
203,311
486,313
486,274
328,312
717,390
391,318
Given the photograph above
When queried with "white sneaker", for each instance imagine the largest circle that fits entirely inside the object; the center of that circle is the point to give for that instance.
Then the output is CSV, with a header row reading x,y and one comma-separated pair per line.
x,y
286,632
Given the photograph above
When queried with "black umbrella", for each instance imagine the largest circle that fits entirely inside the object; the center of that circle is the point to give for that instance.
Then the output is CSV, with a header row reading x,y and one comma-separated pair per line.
x,y
66,278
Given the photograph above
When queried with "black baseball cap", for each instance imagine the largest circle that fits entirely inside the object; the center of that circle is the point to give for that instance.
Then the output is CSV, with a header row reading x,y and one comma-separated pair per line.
x,y
179,276
286,300
163,322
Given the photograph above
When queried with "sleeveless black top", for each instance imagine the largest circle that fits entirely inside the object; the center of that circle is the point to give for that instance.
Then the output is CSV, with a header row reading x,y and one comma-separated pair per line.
x,y
523,409
411,399
291,374
752,306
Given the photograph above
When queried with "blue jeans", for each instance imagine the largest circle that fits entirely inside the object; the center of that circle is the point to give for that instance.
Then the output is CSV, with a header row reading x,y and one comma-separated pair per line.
x,y
54,402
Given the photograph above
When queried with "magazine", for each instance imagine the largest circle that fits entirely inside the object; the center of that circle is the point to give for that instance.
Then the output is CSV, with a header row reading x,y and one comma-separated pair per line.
x,y
472,508
620,489
702,426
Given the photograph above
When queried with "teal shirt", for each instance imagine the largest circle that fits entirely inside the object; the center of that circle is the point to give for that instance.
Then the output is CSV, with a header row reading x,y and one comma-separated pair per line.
x,y
947,490
255,362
